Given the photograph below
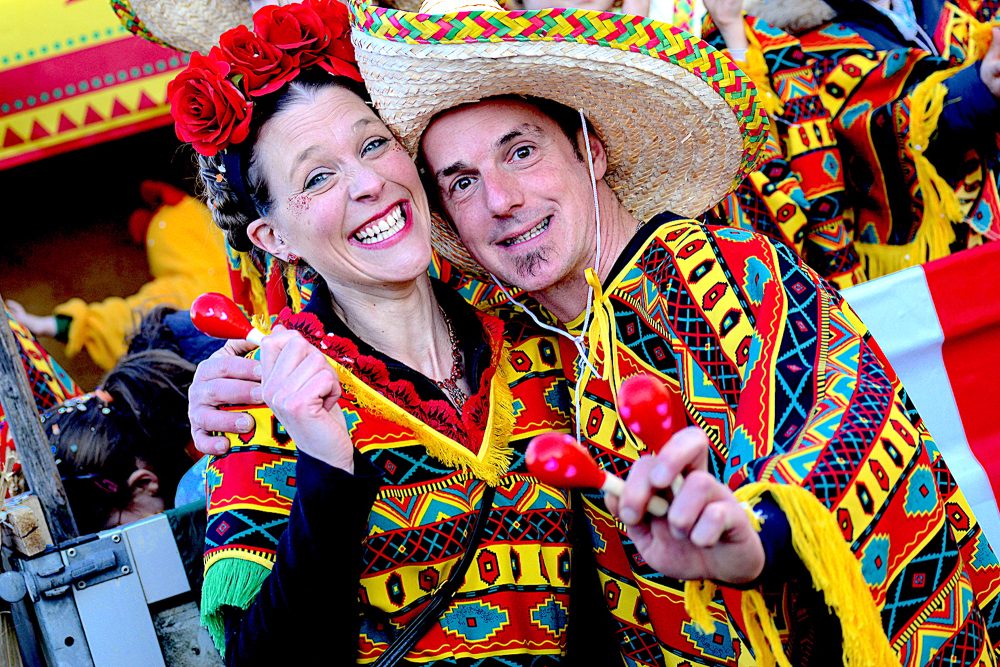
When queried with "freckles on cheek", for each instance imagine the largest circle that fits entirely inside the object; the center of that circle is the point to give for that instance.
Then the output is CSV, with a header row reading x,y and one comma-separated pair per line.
x,y
299,203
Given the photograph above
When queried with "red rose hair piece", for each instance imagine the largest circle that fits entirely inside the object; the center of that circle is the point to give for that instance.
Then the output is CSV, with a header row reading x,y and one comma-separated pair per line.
x,y
211,101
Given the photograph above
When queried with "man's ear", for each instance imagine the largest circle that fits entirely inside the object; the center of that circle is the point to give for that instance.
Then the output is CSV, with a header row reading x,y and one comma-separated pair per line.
x,y
597,152
143,481
263,235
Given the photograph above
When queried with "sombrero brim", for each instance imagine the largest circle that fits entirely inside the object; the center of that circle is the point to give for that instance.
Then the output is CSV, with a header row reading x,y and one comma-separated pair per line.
x,y
680,122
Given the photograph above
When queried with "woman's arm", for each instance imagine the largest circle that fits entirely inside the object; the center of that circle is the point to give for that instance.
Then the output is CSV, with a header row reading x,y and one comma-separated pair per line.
x,y
318,567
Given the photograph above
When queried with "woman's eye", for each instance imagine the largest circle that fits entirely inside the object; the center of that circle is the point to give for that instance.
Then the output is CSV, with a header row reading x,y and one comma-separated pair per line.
x,y
316,180
374,144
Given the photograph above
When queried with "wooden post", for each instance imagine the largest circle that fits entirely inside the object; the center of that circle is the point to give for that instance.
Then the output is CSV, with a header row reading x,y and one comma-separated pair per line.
x,y
33,448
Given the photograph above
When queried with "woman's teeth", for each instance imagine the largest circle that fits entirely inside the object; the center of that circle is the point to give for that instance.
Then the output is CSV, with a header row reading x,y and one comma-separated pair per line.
x,y
530,234
380,230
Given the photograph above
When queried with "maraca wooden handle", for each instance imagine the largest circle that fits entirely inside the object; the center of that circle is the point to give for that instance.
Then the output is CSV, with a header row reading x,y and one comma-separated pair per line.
x,y
656,506
255,336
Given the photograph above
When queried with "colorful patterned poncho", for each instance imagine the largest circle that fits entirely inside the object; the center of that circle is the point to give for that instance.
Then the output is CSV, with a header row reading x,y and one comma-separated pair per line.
x,y
799,405
873,118
433,465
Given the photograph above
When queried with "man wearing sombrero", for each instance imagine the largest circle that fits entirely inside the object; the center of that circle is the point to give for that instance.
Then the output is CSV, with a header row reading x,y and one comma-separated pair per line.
x,y
796,409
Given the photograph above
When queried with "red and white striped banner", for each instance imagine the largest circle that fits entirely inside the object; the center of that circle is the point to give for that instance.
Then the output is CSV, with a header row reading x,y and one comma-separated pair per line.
x,y
939,324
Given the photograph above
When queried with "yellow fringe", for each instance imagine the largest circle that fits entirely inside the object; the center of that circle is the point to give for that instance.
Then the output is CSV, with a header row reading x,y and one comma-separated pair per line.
x,y
756,68
258,295
835,572
494,456
697,596
292,287
762,632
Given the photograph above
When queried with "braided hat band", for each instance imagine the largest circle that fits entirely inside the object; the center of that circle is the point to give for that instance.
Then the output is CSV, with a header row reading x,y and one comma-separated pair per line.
x,y
680,122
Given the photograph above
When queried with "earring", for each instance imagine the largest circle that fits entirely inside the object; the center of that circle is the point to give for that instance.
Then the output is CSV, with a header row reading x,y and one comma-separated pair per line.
x,y
292,258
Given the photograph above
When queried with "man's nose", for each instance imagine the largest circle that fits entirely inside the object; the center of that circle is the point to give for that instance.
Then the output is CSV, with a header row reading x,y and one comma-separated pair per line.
x,y
503,193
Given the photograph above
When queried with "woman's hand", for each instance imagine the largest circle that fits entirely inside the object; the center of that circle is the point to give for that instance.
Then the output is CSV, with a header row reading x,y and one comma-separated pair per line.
x,y
727,15
302,389
706,534
40,325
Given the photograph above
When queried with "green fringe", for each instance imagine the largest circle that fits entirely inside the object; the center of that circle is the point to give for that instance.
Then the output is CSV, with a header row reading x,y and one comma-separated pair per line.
x,y
229,582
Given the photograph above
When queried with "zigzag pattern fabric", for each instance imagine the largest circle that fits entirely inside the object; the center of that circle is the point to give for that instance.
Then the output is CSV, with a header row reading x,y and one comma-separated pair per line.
x,y
616,31
879,107
791,390
50,384
797,195
513,606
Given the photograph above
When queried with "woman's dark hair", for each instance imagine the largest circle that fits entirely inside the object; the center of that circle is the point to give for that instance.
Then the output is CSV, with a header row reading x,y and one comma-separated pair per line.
x,y
229,211
97,442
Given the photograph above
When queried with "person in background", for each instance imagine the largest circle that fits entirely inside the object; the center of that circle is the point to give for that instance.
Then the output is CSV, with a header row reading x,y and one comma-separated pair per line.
x,y
912,89
122,449
186,257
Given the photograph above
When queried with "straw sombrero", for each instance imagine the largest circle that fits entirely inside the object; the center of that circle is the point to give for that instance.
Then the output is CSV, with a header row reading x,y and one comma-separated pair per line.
x,y
680,122
193,25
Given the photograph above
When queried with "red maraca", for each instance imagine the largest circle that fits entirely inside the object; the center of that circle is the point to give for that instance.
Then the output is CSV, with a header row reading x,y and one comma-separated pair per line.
x,y
647,408
558,459
218,316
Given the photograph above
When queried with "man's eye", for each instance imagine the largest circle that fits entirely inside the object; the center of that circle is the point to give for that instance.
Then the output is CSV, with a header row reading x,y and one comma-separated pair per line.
x,y
463,183
523,152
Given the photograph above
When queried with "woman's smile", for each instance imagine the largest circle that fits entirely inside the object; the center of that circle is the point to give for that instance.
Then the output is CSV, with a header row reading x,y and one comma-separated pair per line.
x,y
385,229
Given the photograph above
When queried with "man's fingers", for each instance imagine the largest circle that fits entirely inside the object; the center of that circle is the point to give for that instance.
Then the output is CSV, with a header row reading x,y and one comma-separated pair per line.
x,y
637,491
224,391
222,421
210,444
227,366
699,490
687,450
716,519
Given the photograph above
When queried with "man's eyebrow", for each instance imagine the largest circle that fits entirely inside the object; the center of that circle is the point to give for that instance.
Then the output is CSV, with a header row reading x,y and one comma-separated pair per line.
x,y
519,131
451,169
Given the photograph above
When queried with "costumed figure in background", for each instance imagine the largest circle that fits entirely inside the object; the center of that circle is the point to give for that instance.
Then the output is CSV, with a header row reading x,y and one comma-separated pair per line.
x,y
796,409
911,88
365,494
186,258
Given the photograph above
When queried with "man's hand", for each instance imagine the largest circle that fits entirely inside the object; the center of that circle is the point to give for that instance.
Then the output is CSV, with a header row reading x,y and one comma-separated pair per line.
x,y
989,70
40,325
302,389
225,378
706,534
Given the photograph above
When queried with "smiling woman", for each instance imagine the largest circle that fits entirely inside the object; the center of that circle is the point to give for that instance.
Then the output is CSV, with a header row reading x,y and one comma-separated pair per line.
x,y
366,481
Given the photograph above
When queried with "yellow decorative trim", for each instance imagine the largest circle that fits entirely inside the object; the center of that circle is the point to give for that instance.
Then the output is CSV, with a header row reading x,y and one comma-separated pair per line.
x,y
494,455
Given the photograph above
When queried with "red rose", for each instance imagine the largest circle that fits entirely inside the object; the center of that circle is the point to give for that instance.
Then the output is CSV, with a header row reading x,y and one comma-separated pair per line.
x,y
264,66
334,15
338,67
340,60
296,29
209,111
